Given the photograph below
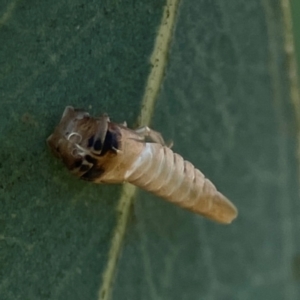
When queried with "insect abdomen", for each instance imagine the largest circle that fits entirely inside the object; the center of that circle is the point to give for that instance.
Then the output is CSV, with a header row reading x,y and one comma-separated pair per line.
x,y
161,171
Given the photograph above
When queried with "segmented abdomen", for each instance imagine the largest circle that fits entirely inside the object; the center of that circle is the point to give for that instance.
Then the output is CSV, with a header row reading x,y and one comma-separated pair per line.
x,y
161,171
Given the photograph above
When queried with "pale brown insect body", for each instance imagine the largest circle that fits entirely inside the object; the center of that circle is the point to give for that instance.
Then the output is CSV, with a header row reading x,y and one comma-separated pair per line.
x,y
100,151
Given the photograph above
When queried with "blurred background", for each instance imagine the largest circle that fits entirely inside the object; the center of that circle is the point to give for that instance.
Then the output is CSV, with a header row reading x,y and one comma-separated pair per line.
x,y
295,8
226,100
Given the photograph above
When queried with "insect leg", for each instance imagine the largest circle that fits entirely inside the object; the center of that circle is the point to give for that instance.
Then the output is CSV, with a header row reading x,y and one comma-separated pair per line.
x,y
153,136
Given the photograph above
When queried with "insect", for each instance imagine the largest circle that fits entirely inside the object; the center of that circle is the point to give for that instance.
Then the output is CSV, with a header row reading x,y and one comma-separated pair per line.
x,y
98,150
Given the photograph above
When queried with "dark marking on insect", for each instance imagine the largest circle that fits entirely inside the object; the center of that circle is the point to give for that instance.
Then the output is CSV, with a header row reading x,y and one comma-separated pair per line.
x,y
90,159
84,168
98,145
77,164
93,173
110,143
91,141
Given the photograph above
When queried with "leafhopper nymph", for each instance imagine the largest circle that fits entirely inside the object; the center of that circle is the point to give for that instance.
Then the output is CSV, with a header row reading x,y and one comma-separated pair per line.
x,y
101,151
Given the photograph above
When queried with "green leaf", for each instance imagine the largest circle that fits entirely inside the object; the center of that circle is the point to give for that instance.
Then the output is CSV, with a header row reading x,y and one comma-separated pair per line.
x,y
55,230
228,102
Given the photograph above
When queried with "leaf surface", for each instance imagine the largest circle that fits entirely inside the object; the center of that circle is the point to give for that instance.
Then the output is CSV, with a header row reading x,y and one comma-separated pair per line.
x,y
225,101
